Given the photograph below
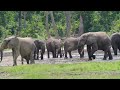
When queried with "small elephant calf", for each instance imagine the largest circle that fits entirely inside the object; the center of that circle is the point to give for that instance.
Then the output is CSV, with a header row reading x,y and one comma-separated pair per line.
x,y
40,45
54,45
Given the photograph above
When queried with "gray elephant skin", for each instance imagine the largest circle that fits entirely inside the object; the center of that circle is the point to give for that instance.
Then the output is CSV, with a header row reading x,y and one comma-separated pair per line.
x,y
71,44
95,41
115,41
20,46
40,45
54,45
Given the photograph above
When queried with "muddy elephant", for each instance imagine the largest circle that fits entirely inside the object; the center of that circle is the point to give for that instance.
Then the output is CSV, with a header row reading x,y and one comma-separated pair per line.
x,y
54,45
20,46
115,41
95,41
40,45
70,44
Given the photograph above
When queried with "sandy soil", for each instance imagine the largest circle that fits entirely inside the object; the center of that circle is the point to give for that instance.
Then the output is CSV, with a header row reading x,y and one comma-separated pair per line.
x,y
8,59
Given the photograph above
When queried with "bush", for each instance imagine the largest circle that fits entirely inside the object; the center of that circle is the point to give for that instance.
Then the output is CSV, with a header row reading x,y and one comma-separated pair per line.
x,y
115,27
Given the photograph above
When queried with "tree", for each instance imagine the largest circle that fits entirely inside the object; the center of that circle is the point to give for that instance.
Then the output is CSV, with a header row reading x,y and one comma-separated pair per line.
x,y
25,12
19,18
63,23
68,23
54,25
46,24
81,28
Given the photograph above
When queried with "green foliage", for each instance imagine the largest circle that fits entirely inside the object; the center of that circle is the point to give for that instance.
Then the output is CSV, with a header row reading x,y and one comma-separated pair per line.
x,y
108,21
84,70
115,26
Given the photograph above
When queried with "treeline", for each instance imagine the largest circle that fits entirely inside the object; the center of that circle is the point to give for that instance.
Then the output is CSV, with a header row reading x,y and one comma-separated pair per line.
x,y
40,24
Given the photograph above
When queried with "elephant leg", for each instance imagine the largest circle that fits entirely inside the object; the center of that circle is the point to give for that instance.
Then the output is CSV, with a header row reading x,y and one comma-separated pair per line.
x,y
57,53
34,54
27,60
37,54
66,54
105,55
89,51
81,53
21,60
15,56
41,56
53,54
94,49
31,58
110,55
119,48
115,50
70,54
48,54
60,53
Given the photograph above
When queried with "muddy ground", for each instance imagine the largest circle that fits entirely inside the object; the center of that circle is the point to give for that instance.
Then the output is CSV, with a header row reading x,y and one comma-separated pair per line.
x,y
8,59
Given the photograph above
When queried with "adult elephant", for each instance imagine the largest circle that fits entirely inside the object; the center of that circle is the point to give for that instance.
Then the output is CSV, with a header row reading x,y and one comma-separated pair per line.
x,y
115,41
20,46
95,41
40,45
54,45
71,44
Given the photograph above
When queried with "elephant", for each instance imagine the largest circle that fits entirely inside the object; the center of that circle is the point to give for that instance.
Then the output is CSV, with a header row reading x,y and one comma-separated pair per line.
x,y
115,41
40,45
70,44
20,46
54,45
95,41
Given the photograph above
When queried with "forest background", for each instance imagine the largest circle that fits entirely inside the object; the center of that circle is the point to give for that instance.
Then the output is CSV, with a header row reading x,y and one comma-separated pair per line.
x,y
42,24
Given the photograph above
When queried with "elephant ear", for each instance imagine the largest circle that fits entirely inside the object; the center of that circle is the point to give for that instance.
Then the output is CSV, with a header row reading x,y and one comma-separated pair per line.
x,y
13,42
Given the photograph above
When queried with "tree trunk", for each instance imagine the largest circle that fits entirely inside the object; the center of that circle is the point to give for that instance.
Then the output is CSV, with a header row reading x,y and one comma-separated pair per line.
x,y
54,25
25,12
81,28
68,23
46,23
3,18
19,18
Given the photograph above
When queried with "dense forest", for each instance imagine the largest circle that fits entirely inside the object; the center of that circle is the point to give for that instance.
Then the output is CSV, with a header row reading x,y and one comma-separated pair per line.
x,y
41,24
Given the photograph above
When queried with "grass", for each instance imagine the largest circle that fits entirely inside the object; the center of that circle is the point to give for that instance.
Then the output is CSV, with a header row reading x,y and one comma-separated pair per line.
x,y
83,70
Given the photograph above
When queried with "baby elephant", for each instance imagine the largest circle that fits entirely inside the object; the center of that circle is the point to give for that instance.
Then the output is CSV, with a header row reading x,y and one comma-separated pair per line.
x,y
71,44
40,45
54,45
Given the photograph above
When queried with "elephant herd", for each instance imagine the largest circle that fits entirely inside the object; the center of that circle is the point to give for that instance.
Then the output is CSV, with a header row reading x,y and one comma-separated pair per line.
x,y
29,48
